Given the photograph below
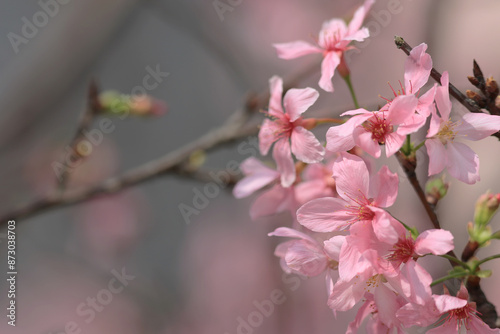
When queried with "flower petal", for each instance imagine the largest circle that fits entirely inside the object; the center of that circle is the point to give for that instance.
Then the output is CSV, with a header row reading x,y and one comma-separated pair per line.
x,y
328,66
284,161
476,126
463,163
271,202
276,91
306,147
364,139
351,177
290,233
418,67
435,241
437,156
402,108
295,49
358,18
324,215
339,138
384,188
393,143
443,97
297,101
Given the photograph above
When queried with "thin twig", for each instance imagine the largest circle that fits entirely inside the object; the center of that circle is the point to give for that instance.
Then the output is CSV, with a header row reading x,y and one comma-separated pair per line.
x,y
236,127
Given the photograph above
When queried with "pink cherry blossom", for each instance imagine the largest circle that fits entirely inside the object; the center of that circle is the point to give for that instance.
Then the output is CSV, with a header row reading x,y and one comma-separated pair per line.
x,y
316,182
369,129
285,128
360,198
274,200
334,39
444,152
459,315
380,312
305,255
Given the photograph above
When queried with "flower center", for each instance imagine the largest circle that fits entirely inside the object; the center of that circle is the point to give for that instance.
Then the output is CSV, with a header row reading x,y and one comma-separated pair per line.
x,y
380,127
447,132
282,126
462,316
403,251
359,209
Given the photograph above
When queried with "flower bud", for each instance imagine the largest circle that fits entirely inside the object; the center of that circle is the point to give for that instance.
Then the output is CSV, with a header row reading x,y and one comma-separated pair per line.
x,y
435,189
480,101
486,207
492,87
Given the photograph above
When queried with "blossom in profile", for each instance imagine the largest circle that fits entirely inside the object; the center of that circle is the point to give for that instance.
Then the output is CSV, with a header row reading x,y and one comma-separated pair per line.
x,y
333,40
288,130
459,315
444,151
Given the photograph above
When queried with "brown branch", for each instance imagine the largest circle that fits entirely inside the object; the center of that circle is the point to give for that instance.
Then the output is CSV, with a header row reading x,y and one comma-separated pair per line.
x,y
457,94
236,127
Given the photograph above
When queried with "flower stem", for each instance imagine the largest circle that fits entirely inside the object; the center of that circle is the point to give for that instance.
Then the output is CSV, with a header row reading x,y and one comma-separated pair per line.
x,y
442,279
489,258
347,79
329,120
454,259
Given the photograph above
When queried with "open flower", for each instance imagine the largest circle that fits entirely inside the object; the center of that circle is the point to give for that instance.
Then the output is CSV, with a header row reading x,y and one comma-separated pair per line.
x,y
444,152
258,176
360,199
459,315
285,128
333,40
369,129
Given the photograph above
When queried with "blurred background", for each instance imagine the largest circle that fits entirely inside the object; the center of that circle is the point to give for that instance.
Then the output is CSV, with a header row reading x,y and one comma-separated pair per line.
x,y
213,274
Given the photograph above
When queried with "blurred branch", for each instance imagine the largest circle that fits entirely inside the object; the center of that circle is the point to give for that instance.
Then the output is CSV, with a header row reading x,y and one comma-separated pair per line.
x,y
236,127
89,113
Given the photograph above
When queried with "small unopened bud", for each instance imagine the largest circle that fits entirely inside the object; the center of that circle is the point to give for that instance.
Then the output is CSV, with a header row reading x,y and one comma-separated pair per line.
x,y
480,101
343,69
492,87
473,80
486,207
435,189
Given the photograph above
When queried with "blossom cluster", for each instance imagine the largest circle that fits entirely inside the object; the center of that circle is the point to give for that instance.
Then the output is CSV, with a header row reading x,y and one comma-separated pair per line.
x,y
341,226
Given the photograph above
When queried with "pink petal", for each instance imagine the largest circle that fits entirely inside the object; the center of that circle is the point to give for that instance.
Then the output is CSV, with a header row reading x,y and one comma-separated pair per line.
x,y
271,202
306,191
346,294
412,124
290,233
297,101
267,135
333,246
384,188
276,90
419,281
445,303
306,258
358,18
387,305
253,165
333,27
463,163
426,102
324,215
435,124
284,161
340,138
418,67
478,126
305,146
437,156
351,177
393,143
364,139
248,185
443,98
386,228
402,108
437,242
295,49
364,311
328,66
